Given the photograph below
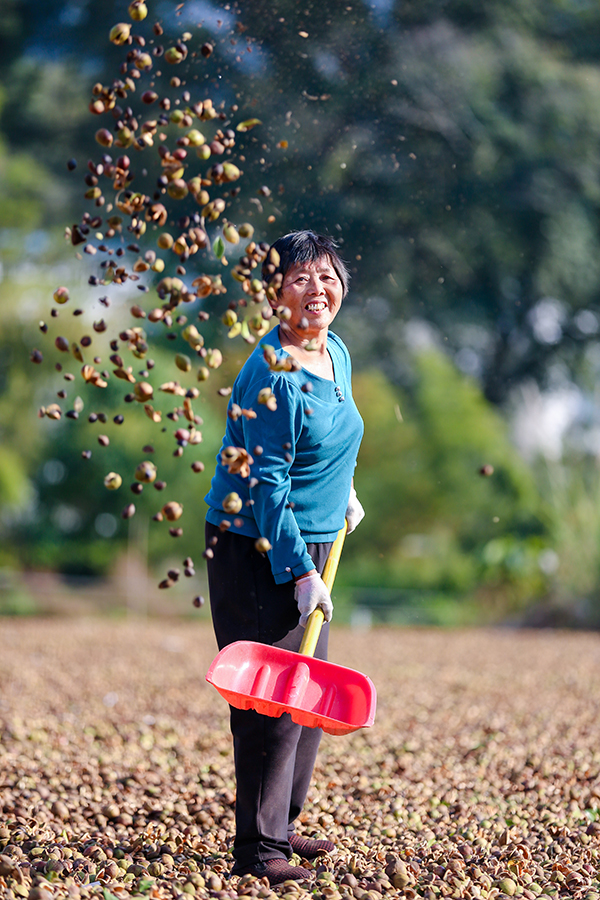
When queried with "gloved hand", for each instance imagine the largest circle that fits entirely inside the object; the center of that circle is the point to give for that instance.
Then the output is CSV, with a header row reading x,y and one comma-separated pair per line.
x,y
311,592
354,513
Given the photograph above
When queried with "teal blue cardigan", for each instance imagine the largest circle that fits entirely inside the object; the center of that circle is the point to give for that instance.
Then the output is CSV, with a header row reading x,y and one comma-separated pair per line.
x,y
299,485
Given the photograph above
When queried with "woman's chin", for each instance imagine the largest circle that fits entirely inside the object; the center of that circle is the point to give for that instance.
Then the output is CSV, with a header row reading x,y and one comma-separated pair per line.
x,y
318,323
302,334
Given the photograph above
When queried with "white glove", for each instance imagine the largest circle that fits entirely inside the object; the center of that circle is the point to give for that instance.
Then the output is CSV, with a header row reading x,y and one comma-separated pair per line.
x,y
354,513
311,592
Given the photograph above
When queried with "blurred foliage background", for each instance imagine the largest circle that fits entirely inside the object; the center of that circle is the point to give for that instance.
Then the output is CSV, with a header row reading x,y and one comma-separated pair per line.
x,y
453,148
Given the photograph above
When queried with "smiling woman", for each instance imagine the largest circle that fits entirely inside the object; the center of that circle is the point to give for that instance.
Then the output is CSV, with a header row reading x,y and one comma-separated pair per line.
x,y
279,496
312,291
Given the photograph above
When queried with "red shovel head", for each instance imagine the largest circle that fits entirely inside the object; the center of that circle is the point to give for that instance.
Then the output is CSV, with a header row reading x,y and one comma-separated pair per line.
x,y
314,692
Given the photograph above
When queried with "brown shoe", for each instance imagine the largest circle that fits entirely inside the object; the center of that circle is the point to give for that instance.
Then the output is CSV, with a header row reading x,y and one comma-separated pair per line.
x,y
277,871
308,848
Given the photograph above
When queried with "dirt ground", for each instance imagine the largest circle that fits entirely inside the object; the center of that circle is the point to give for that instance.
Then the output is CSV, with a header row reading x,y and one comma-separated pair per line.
x,y
480,777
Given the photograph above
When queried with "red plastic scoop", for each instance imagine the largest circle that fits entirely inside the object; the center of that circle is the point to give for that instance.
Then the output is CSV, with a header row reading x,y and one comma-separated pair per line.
x,y
320,694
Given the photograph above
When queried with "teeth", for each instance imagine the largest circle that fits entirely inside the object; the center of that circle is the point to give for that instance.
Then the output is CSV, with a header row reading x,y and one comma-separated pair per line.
x,y
315,307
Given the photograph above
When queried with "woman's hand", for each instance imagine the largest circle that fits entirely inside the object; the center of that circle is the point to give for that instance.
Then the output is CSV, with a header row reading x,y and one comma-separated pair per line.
x,y
311,592
354,513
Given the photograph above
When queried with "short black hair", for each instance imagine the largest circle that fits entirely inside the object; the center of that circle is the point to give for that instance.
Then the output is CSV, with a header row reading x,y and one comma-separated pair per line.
x,y
299,247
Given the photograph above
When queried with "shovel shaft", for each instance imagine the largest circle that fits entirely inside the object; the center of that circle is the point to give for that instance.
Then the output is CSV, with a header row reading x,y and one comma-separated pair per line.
x,y
333,559
312,632
316,618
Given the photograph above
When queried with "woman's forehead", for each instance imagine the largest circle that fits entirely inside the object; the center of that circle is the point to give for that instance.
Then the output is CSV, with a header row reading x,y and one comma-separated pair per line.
x,y
317,265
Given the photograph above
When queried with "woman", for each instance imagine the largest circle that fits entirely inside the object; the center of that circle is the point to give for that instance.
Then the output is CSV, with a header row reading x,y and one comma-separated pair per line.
x,y
289,453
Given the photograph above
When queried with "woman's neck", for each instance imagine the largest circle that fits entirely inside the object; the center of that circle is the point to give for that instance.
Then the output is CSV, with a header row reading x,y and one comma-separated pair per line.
x,y
311,353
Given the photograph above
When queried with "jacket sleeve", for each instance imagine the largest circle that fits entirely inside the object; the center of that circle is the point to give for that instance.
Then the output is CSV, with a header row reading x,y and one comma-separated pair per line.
x,y
271,440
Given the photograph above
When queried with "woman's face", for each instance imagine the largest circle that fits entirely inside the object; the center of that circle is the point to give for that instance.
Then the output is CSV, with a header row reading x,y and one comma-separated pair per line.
x,y
313,293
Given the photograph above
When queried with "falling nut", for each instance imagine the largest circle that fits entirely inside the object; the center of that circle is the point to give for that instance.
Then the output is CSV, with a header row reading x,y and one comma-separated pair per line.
x,y
119,34
213,358
172,511
232,503
137,10
183,362
61,295
143,391
145,472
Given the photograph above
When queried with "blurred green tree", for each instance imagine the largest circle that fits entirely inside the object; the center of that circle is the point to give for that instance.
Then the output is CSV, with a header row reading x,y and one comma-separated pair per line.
x,y
432,512
454,150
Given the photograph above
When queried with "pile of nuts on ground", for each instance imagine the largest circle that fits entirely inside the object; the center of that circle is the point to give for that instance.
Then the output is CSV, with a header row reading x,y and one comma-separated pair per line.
x,y
480,777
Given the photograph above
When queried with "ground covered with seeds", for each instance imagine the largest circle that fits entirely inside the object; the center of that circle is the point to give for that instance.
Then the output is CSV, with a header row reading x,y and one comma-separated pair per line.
x,y
480,778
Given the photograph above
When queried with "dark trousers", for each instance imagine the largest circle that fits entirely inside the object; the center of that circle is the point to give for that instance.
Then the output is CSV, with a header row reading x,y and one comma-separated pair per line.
x,y
274,757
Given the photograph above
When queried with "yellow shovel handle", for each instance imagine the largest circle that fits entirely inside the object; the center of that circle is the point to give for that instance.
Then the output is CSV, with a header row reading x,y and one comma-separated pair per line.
x,y
316,618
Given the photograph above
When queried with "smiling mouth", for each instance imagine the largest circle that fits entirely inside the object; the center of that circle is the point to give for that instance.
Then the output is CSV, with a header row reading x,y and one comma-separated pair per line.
x,y
316,306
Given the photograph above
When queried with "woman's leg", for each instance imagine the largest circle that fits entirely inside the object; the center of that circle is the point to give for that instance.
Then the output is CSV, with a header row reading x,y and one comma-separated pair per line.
x,y
306,755
274,757
265,757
